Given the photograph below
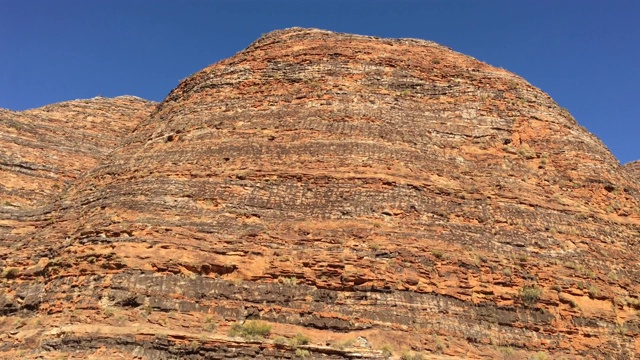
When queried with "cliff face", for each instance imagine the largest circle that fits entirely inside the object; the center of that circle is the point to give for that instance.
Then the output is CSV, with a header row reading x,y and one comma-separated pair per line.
x,y
45,149
375,195
634,169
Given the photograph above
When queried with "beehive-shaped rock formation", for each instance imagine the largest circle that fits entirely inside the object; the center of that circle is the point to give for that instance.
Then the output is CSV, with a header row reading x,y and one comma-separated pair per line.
x,y
45,149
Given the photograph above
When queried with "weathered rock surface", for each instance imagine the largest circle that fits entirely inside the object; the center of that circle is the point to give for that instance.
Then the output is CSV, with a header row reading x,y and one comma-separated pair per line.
x,y
369,193
634,169
45,149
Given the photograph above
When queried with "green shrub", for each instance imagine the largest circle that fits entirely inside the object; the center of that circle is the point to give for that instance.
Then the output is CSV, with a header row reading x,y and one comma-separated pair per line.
x,y
288,280
341,345
440,345
411,356
209,324
539,356
303,354
250,329
299,339
530,294
386,351
507,350
508,353
620,330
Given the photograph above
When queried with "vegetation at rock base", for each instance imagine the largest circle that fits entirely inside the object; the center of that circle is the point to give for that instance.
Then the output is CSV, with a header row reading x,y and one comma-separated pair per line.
x,y
303,354
386,351
251,329
530,295
299,339
209,324
344,344
411,356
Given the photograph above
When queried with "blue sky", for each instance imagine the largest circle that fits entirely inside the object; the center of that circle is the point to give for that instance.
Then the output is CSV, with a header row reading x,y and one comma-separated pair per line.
x,y
584,53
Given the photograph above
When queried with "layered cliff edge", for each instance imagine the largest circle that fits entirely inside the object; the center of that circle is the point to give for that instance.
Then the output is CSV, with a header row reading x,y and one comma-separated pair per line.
x,y
362,197
46,149
634,169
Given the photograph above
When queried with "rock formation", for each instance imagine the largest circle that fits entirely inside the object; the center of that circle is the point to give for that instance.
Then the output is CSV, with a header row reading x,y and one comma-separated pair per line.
x,y
327,195
634,169
45,149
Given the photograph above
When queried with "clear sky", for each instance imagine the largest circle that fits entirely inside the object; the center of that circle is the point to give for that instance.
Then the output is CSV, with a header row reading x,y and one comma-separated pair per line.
x,y
584,53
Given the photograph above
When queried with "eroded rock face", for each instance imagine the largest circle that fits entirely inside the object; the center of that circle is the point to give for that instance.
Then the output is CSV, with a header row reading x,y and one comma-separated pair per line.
x,y
390,192
634,169
45,149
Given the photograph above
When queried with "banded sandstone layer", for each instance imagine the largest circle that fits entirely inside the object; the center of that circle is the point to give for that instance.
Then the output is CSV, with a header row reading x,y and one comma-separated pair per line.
x,y
634,169
45,149
369,193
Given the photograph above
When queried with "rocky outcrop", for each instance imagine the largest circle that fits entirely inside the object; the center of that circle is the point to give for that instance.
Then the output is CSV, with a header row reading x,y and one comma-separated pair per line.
x,y
634,169
46,149
378,196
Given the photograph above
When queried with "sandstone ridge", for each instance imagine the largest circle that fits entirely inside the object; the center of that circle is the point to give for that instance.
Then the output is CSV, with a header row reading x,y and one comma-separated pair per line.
x,y
46,149
634,169
328,195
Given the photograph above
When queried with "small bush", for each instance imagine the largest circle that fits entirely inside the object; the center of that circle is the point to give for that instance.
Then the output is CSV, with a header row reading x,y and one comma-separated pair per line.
x,y
539,356
386,351
209,324
633,302
530,295
341,345
620,330
509,149
440,345
411,356
250,329
573,304
507,350
526,152
303,354
299,339
508,353
288,280
568,299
